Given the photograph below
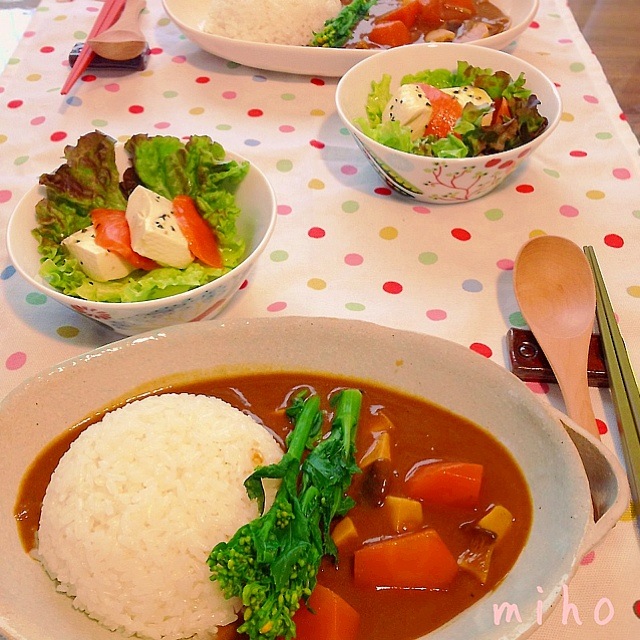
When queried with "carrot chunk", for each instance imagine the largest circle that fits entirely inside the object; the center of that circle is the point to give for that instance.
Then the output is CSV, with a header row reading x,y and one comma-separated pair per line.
x,y
326,617
390,34
454,484
418,560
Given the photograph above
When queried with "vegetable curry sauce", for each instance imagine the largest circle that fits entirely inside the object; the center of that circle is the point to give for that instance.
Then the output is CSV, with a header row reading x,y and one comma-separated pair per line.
x,y
416,434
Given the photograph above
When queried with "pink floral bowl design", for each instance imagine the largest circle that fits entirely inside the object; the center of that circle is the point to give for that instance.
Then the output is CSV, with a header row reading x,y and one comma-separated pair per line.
x,y
440,180
255,224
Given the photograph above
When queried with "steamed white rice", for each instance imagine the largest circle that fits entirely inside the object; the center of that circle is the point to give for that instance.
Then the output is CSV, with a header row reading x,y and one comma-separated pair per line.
x,y
274,21
138,502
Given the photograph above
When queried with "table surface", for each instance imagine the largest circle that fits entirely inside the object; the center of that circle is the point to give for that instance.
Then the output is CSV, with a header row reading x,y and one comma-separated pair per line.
x,y
344,245
611,29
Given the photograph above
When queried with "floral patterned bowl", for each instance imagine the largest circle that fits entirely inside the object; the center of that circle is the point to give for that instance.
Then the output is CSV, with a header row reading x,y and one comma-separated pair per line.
x,y
440,180
255,224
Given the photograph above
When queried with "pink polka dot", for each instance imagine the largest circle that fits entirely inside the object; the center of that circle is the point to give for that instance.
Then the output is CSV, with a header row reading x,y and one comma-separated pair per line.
x,y
622,174
392,287
47,49
179,59
436,314
525,188
203,79
162,125
316,232
56,136
317,144
277,306
505,264
568,211
382,191
136,108
539,388
156,51
461,234
588,558
492,162
30,34
16,360
591,99
112,87
482,349
286,128
348,170
565,41
5,195
613,240
255,113
602,427
244,285
506,164
39,120
89,77
15,104
422,210
578,154
534,25
317,81
353,259
229,95
284,209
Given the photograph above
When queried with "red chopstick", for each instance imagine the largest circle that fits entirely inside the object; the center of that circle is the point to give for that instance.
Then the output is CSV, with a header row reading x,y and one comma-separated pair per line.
x,y
109,13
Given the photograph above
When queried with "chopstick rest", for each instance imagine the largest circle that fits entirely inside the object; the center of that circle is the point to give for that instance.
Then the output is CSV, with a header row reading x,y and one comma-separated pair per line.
x,y
139,63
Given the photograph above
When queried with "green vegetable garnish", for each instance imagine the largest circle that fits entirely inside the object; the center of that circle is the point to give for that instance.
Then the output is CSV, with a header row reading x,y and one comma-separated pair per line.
x,y
89,180
272,562
336,31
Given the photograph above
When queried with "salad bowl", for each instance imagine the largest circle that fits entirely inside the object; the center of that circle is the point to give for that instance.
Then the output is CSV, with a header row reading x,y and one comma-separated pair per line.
x,y
254,225
441,180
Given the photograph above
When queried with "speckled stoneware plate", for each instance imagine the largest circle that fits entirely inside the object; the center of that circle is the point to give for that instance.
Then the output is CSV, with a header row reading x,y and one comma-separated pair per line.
x,y
566,468
190,15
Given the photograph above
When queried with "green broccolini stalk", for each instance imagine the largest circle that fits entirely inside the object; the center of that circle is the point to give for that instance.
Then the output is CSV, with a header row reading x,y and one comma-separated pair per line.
x,y
336,31
272,562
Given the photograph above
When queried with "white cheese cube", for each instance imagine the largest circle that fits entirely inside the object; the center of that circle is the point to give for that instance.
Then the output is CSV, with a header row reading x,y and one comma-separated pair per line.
x,y
410,107
98,263
154,229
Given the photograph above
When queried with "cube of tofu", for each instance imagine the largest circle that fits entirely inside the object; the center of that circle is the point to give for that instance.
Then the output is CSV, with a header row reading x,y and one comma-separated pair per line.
x,y
154,229
98,263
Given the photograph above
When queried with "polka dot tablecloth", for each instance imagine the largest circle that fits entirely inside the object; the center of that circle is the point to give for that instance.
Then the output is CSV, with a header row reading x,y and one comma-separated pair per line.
x,y
344,245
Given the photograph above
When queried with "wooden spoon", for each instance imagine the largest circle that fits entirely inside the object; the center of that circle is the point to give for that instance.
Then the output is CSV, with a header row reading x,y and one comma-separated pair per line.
x,y
123,40
555,289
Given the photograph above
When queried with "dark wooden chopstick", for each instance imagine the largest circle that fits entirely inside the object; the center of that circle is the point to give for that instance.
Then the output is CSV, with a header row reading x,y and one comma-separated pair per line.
x,y
623,384
107,16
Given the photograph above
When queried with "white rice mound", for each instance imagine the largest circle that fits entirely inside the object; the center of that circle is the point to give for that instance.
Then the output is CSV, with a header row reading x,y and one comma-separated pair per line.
x,y
138,502
273,21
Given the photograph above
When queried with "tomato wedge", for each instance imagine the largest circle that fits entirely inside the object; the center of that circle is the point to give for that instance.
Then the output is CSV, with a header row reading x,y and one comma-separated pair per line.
x,y
112,233
199,234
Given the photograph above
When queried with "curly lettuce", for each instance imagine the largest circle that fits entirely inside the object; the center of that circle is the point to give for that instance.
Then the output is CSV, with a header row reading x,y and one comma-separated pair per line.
x,y
90,179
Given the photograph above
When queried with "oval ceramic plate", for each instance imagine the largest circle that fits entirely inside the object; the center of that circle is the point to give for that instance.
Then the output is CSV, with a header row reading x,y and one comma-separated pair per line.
x,y
190,15
441,371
